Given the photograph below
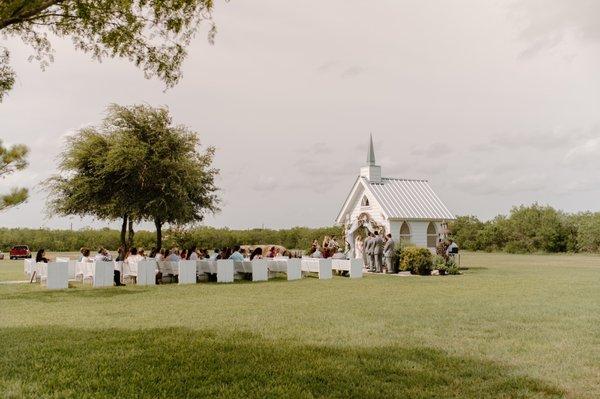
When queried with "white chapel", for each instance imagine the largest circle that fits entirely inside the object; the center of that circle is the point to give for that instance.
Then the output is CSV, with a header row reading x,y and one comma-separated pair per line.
x,y
407,208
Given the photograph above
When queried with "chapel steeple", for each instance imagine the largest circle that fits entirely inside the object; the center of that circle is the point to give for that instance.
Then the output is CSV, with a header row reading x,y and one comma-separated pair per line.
x,y
371,171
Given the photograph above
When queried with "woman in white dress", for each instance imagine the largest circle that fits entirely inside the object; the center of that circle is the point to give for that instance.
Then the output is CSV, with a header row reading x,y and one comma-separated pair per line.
x,y
358,247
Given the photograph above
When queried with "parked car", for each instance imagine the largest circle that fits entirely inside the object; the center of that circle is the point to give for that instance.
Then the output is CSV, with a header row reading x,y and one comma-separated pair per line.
x,y
19,251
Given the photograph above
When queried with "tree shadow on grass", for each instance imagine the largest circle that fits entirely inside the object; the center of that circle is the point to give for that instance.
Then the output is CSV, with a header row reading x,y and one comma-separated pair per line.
x,y
177,362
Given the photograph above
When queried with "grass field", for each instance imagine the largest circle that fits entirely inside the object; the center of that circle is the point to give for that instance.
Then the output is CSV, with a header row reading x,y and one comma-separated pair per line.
x,y
511,326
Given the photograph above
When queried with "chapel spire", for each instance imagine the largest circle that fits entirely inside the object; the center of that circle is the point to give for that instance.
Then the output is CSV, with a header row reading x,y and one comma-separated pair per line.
x,y
371,171
371,153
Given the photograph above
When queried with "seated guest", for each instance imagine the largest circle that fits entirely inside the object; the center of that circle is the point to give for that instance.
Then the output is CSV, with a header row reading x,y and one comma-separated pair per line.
x,y
102,256
325,252
226,253
41,256
236,255
173,256
86,255
81,253
256,254
153,253
160,255
316,254
339,254
272,253
142,253
192,255
134,257
216,254
183,254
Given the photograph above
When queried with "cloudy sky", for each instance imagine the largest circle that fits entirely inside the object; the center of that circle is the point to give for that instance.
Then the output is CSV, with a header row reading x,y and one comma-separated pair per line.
x,y
497,103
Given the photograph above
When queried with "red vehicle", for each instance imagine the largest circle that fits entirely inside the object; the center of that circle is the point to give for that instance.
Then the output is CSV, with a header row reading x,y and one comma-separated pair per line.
x,y
20,251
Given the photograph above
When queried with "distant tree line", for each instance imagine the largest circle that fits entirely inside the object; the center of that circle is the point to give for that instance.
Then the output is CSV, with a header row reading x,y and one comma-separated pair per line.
x,y
527,229
205,237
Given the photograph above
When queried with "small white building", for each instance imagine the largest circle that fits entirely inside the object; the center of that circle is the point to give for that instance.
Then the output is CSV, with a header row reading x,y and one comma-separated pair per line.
x,y
406,208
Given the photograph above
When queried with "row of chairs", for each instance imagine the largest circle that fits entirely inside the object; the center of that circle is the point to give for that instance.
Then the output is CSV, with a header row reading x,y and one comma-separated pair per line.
x,y
100,274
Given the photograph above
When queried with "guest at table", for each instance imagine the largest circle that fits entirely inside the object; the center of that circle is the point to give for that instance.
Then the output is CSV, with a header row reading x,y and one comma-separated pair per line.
x,y
257,253
86,255
173,255
326,252
41,256
339,254
134,256
102,255
192,255
236,256
316,254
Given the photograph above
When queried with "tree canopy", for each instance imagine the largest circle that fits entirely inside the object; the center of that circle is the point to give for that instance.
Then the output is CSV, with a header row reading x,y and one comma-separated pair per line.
x,y
136,166
11,160
153,34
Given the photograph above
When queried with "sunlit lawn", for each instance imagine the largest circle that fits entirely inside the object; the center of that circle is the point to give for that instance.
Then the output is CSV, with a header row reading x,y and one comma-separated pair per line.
x,y
510,326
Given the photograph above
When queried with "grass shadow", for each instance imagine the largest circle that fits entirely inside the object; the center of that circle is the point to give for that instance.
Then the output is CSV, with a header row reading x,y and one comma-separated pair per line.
x,y
42,294
177,362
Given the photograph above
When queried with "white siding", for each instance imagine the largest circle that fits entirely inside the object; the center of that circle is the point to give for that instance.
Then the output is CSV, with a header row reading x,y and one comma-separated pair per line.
x,y
374,210
418,230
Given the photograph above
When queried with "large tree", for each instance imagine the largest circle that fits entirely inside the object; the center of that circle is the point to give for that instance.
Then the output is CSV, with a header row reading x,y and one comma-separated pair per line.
x,y
153,34
136,166
12,159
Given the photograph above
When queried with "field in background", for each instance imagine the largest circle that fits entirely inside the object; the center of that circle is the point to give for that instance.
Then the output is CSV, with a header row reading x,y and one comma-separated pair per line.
x,y
510,326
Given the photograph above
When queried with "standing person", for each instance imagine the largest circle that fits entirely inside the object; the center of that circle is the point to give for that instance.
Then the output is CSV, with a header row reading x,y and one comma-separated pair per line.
x,y
388,253
369,252
358,247
377,245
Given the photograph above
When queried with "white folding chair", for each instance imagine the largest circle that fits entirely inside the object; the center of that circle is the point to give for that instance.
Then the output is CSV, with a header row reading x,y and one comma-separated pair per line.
x,y
57,275
187,272
225,271
146,270
103,273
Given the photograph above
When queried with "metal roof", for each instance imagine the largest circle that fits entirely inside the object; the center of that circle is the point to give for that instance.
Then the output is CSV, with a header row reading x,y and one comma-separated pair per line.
x,y
408,199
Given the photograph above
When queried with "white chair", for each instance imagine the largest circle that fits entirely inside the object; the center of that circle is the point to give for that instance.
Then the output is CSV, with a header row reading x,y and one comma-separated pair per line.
x,y
187,272
354,267
57,275
103,273
257,267
130,270
41,271
70,267
225,271
291,267
316,265
28,266
146,272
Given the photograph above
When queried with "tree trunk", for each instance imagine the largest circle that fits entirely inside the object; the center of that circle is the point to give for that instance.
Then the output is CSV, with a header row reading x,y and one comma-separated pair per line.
x,y
158,224
130,235
123,232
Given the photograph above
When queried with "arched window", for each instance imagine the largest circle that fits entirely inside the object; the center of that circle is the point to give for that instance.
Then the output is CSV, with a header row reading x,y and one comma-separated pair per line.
x,y
432,235
405,233
365,201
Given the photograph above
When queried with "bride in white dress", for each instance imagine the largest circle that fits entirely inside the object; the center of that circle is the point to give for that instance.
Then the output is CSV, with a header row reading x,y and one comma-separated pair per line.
x,y
358,247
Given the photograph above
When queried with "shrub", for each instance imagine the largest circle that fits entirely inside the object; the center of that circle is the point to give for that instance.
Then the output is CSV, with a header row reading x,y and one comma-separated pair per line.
x,y
417,261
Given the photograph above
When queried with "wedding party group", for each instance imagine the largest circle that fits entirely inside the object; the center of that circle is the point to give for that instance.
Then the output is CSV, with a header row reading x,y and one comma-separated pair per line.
x,y
377,252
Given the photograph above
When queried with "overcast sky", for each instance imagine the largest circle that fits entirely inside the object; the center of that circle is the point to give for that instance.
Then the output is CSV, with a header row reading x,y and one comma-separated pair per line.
x,y
497,103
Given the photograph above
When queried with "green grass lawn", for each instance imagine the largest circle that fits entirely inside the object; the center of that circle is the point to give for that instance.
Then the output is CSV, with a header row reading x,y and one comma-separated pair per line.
x,y
511,326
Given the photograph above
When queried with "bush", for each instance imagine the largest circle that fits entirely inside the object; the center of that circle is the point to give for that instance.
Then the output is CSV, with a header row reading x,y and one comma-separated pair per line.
x,y
417,261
